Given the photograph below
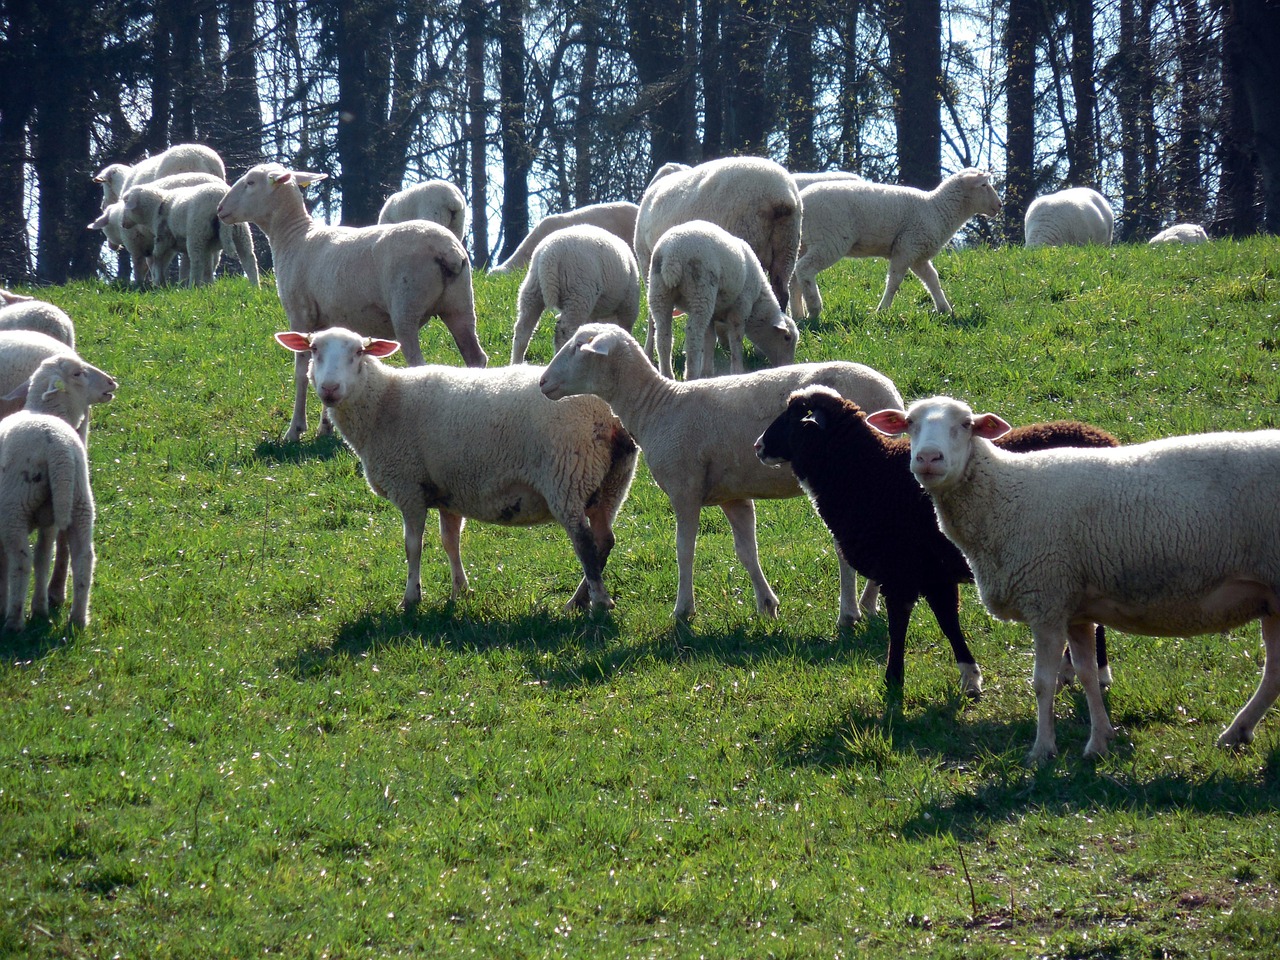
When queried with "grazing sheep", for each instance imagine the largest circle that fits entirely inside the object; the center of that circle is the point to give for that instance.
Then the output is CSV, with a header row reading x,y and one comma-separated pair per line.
x,y
437,201
27,313
44,486
853,218
751,197
716,279
185,220
483,444
887,529
697,439
587,274
1181,233
386,279
116,178
1174,537
137,239
1073,217
618,218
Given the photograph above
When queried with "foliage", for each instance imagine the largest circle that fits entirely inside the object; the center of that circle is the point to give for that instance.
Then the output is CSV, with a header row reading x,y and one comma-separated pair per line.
x,y
253,751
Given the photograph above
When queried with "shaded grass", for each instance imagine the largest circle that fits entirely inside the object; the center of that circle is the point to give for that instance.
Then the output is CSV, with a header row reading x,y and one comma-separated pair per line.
x,y
252,750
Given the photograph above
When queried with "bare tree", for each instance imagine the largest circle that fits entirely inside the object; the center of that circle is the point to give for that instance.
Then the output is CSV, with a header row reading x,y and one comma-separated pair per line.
x,y
915,47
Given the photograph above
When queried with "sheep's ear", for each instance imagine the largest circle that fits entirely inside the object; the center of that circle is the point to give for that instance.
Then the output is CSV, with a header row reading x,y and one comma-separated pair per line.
x,y
130,200
989,426
56,385
380,348
597,344
18,393
892,422
278,177
291,340
817,417
303,179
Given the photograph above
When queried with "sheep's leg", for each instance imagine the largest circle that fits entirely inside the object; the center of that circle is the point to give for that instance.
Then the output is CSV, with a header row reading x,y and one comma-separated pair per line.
x,y
1241,730
870,594
687,517
600,516
1067,670
298,425
80,541
899,606
734,328
451,525
242,250
1050,641
708,362
1084,654
18,559
944,601
45,539
742,518
896,273
462,326
572,316
199,266
61,559
661,303
849,612
806,278
583,538
926,272
530,307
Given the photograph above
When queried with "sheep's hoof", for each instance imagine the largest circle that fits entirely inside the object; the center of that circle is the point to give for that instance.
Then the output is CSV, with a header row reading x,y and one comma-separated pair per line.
x,y
684,614
1104,677
847,621
293,435
971,681
1235,739
325,429
1041,754
769,609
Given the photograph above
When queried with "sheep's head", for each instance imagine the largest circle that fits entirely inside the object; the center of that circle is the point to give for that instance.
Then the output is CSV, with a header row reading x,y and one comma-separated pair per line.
x,y
800,426
981,192
337,358
576,367
942,432
66,383
250,198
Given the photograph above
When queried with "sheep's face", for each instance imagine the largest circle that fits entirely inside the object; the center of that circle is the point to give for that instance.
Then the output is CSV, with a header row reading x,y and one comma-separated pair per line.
x,y
82,379
985,200
337,357
801,428
775,338
942,432
250,198
570,371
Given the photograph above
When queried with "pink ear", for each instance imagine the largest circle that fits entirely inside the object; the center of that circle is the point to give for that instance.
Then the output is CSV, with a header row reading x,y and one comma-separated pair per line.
x,y
892,422
297,342
989,426
380,348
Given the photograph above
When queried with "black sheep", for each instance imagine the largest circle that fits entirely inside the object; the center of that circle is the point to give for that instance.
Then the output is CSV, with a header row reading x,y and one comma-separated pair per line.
x,y
861,483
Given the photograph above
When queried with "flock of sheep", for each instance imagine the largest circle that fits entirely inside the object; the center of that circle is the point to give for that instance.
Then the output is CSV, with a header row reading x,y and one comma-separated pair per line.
x,y
1148,538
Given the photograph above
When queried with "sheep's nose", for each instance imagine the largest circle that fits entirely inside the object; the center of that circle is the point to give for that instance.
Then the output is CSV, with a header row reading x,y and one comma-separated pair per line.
x,y
329,392
759,444
929,458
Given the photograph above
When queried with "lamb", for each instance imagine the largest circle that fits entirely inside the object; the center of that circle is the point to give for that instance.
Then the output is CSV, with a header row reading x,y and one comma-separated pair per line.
x,y
437,201
697,438
1181,233
890,534
21,351
1073,217
385,279
618,218
483,444
586,273
751,197
18,312
185,220
138,240
116,178
44,486
1174,537
717,280
851,218
809,179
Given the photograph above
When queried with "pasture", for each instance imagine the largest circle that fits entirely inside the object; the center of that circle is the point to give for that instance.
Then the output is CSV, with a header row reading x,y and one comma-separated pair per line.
x,y
253,752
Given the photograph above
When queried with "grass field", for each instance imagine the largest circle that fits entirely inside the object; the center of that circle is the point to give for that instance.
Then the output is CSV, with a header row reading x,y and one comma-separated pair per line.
x,y
252,752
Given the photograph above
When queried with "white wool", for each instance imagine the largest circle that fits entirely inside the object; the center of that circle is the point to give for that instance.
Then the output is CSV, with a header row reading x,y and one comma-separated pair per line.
x,y
618,218
437,201
1073,217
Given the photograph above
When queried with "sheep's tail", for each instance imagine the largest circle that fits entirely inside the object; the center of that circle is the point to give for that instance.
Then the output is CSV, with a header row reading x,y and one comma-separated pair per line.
x,y
452,262
68,482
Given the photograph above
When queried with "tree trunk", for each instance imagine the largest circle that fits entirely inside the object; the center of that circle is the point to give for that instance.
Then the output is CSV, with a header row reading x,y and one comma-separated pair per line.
x,y
1020,35
915,53
584,119
800,106
1082,165
474,20
1260,74
713,81
156,137
748,36
658,51
18,65
1238,216
241,141
516,161
1188,179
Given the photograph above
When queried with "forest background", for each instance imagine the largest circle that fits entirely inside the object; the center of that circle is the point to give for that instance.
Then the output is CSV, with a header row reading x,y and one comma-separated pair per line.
x,y
1170,107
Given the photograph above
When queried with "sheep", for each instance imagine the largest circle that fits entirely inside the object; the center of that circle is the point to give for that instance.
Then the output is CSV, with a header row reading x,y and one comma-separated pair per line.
x,y
483,444
185,220
21,351
44,486
809,179
890,534
852,218
389,278
751,197
1073,217
438,201
717,280
697,438
180,158
586,273
618,218
18,312
1173,537
1181,233
138,240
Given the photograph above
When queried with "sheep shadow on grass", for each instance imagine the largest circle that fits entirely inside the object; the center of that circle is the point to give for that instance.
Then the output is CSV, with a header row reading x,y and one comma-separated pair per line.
x,y
40,639
275,450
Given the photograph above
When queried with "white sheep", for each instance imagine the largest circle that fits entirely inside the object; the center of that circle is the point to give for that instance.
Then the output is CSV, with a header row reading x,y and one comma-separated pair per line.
x,y
751,197
137,239
385,279
1073,217
18,312
1181,233
180,158
618,218
483,444
824,176
437,201
185,220
1175,537
852,218
698,439
716,279
586,273
21,351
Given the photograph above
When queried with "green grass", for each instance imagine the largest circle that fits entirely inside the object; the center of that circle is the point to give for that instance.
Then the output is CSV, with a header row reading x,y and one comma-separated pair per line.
x,y
251,751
